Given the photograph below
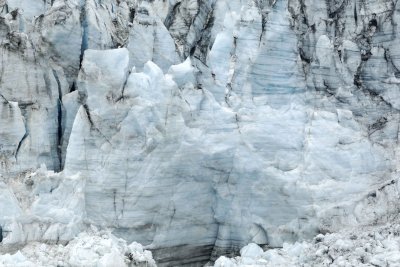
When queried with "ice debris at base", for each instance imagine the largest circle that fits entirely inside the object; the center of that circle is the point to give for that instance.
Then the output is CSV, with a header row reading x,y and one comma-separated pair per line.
x,y
92,248
377,245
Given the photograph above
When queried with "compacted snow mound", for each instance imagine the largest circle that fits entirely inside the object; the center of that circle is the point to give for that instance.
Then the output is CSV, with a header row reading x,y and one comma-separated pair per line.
x,y
92,248
365,246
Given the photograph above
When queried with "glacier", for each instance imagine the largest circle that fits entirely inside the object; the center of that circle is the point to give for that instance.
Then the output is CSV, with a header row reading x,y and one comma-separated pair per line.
x,y
195,127
373,245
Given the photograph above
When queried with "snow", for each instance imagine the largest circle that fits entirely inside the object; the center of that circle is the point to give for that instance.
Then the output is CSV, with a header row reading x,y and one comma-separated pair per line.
x,y
374,245
91,248
197,127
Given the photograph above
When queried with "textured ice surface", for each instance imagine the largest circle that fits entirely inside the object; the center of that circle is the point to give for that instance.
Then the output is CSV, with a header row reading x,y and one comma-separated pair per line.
x,y
92,248
197,127
376,245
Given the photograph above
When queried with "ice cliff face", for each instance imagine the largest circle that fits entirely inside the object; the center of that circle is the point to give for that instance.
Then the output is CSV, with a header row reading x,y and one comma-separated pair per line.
x,y
196,127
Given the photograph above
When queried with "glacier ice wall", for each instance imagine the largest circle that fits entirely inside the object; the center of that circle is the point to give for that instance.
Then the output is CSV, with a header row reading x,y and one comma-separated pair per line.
x,y
196,127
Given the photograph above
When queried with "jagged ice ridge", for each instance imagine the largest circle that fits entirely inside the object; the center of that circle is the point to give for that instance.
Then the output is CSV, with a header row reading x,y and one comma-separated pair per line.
x,y
197,127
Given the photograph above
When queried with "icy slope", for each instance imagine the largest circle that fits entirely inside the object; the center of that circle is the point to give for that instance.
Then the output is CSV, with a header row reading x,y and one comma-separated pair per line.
x,y
197,127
